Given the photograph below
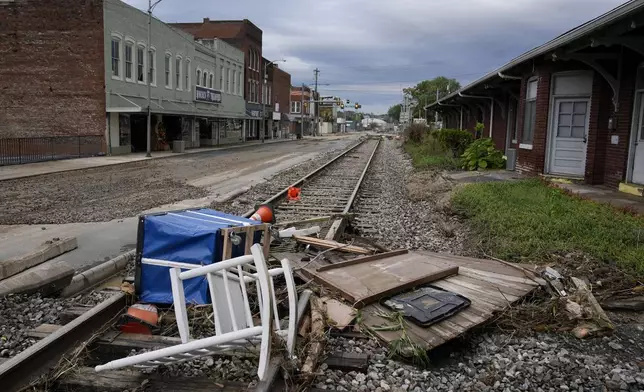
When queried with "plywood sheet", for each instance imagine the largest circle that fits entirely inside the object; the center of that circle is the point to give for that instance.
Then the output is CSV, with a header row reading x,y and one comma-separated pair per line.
x,y
368,281
490,285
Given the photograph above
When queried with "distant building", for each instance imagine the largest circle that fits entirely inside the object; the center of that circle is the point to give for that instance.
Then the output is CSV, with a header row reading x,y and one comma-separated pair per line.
x,y
281,98
302,113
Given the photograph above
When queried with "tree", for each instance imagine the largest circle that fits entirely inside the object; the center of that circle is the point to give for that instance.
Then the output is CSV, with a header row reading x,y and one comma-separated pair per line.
x,y
425,92
394,112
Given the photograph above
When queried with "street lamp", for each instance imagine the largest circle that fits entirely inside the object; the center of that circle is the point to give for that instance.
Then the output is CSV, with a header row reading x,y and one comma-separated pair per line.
x,y
265,96
149,129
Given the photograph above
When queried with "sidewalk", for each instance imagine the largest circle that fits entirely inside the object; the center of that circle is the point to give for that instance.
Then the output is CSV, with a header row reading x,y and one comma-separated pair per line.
x,y
40,168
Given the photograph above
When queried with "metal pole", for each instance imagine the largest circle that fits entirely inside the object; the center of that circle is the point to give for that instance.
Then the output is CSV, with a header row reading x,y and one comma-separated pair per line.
x,y
302,110
149,126
317,120
264,103
436,113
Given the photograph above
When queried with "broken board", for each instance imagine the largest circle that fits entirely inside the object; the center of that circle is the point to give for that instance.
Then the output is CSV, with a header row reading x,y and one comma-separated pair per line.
x,y
374,278
491,286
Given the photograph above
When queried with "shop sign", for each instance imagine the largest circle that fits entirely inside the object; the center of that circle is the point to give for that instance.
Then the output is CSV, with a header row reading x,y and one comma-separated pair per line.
x,y
203,94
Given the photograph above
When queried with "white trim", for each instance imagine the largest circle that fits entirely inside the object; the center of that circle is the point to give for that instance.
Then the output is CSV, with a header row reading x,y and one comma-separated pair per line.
x,y
179,84
142,45
170,76
154,66
114,36
188,75
131,42
525,146
634,131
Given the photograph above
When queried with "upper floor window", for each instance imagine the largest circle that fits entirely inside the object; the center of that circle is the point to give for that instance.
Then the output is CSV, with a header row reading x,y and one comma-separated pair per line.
x,y
205,79
530,118
129,61
152,66
211,77
234,82
270,100
198,77
250,58
116,57
168,70
295,107
228,77
240,83
140,63
177,72
188,75
221,77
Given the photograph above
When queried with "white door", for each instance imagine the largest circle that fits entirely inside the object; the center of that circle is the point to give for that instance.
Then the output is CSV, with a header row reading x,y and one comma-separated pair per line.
x,y
569,136
638,156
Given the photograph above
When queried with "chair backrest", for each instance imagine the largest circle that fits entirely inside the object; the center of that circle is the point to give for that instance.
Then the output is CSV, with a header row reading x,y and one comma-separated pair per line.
x,y
228,283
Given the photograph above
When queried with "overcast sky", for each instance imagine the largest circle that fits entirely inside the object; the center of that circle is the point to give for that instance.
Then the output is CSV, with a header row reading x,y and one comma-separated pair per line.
x,y
368,50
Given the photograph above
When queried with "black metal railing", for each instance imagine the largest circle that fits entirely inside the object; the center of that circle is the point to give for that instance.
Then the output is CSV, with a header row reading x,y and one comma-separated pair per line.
x,y
16,151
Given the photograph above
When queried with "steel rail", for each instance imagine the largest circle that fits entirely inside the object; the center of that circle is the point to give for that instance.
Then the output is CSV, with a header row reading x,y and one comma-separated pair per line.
x,y
299,182
39,358
338,225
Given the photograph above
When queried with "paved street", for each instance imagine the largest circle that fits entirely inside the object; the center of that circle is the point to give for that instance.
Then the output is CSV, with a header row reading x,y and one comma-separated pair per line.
x,y
99,205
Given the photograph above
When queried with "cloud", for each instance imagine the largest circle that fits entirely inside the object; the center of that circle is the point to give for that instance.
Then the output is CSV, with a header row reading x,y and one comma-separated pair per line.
x,y
367,50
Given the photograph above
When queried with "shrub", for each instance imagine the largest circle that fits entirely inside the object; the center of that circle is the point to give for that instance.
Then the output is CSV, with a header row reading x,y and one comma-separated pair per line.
x,y
416,132
454,140
482,154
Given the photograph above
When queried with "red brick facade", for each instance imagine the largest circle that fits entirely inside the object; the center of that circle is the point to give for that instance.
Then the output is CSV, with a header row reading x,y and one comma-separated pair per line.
x,y
282,89
51,68
242,34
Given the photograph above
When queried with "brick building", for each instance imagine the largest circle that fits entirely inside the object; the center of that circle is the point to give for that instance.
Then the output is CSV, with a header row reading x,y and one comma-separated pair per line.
x,y
247,37
281,96
302,110
572,107
49,97
74,79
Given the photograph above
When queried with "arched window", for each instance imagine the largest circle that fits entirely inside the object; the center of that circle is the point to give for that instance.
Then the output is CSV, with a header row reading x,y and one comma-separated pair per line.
x,y
198,77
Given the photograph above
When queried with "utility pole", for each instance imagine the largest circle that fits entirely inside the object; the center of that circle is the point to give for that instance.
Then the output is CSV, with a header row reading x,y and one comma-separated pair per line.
x,y
302,111
317,123
436,112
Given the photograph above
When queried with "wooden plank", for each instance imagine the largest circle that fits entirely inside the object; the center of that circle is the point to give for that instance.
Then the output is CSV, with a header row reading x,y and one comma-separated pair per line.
x,y
479,300
227,246
250,234
348,361
510,293
366,282
363,259
338,314
496,279
87,379
479,264
273,373
488,291
327,244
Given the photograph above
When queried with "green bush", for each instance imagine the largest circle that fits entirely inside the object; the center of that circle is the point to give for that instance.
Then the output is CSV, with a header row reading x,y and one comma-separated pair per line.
x,y
482,154
454,140
415,133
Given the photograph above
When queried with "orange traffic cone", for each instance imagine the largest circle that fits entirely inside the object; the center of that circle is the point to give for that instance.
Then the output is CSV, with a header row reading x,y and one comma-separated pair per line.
x,y
293,194
264,214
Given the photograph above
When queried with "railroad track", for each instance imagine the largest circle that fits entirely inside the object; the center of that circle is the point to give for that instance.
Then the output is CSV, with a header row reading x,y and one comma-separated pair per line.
x,y
330,190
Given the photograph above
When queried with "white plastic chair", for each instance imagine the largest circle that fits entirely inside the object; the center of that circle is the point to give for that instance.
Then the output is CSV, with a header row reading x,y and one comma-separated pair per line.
x,y
234,324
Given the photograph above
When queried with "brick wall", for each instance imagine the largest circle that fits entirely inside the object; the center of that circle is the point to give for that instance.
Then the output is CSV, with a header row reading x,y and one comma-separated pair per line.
x,y
601,107
617,154
282,89
532,161
52,68
242,34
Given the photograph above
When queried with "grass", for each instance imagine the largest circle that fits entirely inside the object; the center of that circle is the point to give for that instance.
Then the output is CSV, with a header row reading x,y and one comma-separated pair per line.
x,y
430,155
529,220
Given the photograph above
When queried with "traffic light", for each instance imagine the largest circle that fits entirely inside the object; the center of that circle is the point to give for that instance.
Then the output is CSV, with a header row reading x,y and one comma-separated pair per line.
x,y
342,105
348,101
357,105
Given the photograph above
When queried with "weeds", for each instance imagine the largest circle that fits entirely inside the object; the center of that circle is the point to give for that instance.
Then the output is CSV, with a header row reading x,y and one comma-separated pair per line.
x,y
528,220
429,154
404,346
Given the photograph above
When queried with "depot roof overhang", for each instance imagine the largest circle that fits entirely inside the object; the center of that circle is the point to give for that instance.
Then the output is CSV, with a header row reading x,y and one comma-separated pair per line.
x,y
628,16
